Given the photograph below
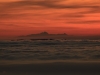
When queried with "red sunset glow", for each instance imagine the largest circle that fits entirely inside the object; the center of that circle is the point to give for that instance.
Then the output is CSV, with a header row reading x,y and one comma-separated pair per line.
x,y
74,17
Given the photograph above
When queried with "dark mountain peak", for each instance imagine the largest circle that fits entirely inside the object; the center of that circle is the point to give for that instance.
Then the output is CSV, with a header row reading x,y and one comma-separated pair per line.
x,y
44,33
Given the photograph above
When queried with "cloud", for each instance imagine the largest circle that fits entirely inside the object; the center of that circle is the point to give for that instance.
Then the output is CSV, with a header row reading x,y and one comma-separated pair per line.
x,y
21,9
46,4
72,15
85,22
43,4
11,16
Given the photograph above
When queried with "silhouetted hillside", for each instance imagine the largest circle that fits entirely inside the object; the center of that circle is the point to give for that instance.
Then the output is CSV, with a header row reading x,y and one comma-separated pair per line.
x,y
46,35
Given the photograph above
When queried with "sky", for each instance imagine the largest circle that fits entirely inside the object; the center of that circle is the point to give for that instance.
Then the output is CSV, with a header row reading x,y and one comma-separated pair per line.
x,y
74,17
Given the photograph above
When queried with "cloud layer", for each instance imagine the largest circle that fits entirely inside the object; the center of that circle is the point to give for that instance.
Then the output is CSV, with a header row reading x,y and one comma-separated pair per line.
x,y
50,13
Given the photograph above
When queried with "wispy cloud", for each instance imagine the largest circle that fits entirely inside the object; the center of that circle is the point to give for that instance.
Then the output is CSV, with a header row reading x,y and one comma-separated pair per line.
x,y
85,22
47,4
50,11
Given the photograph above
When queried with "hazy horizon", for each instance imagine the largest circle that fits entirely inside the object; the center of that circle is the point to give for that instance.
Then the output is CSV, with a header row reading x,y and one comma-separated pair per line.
x,y
47,36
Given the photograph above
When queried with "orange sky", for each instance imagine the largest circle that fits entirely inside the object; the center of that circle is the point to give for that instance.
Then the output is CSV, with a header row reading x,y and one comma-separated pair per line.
x,y
74,17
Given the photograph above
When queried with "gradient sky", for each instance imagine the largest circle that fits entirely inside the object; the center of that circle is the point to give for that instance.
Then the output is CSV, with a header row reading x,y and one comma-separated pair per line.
x,y
74,17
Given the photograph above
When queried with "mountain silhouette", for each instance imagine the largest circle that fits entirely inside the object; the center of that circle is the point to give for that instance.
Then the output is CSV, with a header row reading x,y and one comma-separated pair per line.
x,y
46,35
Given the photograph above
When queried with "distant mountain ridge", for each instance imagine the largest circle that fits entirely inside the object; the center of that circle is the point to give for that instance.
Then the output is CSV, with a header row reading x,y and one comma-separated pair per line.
x,y
45,35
